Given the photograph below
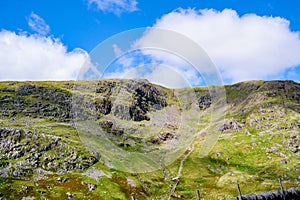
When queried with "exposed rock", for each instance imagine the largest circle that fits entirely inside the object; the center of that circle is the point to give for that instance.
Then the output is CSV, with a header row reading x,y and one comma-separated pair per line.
x,y
62,180
258,103
162,137
272,150
91,187
166,136
130,182
177,196
219,154
292,143
283,162
37,101
26,189
103,105
40,174
15,144
70,195
28,198
204,102
145,97
230,125
96,174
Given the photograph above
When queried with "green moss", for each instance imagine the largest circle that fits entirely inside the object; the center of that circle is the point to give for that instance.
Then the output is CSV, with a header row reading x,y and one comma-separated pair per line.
x,y
242,156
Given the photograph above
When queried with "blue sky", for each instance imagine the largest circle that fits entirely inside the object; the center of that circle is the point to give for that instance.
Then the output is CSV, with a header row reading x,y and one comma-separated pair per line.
x,y
67,30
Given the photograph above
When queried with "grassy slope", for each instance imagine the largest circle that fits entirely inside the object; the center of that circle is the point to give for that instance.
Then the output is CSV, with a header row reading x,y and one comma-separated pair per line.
x,y
238,156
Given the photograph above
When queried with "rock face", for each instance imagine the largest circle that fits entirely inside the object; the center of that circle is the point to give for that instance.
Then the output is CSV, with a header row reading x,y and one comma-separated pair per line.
x,y
33,100
141,97
38,136
246,95
31,150
162,137
130,99
204,102
124,99
230,124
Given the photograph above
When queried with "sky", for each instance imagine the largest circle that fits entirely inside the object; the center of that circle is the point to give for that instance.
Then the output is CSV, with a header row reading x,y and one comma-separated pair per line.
x,y
245,40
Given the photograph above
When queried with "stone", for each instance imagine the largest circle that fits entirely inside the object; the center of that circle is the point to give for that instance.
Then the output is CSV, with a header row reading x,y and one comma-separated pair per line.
x,y
283,162
28,198
61,180
230,125
272,150
70,195
91,187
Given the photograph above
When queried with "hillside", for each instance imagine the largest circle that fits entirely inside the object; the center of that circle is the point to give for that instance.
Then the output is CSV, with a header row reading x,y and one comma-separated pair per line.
x,y
92,140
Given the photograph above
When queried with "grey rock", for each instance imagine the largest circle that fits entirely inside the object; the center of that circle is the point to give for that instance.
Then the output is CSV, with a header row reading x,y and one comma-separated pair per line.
x,y
28,198
283,162
70,195
91,187
272,150
62,180
230,125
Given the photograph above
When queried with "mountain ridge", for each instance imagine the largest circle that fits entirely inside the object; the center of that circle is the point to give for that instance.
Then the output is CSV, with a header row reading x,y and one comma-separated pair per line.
x,y
39,140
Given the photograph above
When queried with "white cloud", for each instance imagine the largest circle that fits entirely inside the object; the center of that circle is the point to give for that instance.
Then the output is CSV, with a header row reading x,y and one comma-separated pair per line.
x,y
115,6
36,57
124,60
38,24
173,69
242,47
164,75
174,73
118,52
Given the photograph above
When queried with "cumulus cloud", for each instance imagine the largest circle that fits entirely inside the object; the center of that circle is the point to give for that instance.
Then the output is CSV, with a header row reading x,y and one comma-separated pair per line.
x,y
160,74
38,24
125,60
36,57
242,47
140,64
115,6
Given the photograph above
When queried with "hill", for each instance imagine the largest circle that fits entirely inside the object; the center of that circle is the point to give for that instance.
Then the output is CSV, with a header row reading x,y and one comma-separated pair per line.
x,y
92,139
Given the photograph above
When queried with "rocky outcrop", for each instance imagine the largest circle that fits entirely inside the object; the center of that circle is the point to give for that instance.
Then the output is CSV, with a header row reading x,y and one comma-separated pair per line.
x,y
230,124
124,99
103,105
163,137
204,102
145,97
32,149
23,151
292,143
35,101
245,96
45,101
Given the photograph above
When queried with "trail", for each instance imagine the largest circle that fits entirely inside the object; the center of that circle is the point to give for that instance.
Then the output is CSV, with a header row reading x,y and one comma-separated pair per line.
x,y
177,178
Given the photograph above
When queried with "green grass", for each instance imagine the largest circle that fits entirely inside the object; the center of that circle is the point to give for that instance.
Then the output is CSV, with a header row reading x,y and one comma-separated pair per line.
x,y
240,157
